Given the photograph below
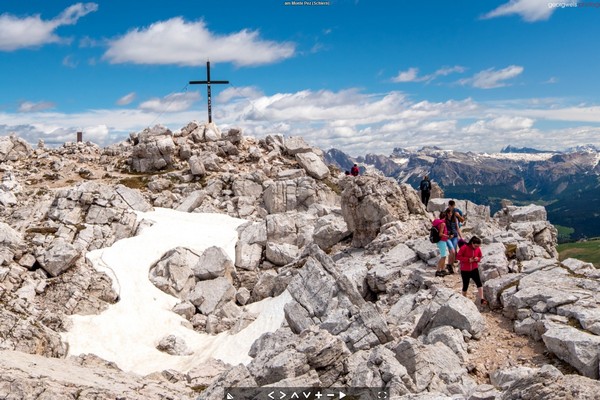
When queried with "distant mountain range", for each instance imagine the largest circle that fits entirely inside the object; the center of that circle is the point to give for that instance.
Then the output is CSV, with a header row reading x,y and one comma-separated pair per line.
x,y
567,183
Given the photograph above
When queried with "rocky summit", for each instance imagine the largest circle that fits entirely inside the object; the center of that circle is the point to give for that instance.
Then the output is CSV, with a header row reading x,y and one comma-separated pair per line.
x,y
350,257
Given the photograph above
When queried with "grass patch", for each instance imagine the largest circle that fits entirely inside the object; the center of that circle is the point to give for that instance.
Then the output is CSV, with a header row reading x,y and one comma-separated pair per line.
x,y
333,186
135,182
564,233
588,251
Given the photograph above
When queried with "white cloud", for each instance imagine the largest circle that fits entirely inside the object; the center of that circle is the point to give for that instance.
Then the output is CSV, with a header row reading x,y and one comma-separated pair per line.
x,y
127,99
174,102
490,78
410,75
580,113
246,92
32,31
449,70
28,106
529,10
502,123
176,41
70,62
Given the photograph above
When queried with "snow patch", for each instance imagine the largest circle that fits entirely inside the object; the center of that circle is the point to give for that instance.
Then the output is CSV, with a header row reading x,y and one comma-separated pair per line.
x,y
521,156
128,332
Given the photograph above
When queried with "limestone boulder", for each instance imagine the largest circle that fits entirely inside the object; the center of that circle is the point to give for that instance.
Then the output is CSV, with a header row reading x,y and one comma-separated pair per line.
x,y
173,273
281,254
330,230
214,263
11,244
196,166
368,203
448,308
59,257
313,165
578,348
295,145
174,346
13,148
210,295
153,150
431,366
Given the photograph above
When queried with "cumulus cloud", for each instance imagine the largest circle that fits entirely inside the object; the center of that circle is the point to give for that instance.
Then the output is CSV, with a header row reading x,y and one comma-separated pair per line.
x,y
174,102
32,31
412,74
176,41
500,124
247,92
529,10
127,99
491,78
28,106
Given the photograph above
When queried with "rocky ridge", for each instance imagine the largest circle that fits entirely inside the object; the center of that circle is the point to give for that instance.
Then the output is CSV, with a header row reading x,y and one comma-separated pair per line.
x,y
352,253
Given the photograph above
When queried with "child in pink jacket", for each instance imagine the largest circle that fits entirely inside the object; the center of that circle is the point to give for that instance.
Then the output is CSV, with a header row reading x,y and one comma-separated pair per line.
x,y
469,256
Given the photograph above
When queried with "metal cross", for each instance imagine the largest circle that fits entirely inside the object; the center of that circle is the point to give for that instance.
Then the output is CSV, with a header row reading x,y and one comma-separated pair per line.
x,y
207,82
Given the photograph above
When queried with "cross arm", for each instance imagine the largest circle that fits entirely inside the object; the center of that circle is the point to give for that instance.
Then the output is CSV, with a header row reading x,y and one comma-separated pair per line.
x,y
206,82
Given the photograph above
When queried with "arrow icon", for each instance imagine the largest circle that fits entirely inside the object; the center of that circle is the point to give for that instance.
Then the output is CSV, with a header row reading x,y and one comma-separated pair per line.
x,y
282,395
342,395
271,395
229,396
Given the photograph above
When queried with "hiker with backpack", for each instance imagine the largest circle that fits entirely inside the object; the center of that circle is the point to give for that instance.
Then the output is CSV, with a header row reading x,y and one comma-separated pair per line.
x,y
469,256
453,221
438,234
425,188
457,212
354,171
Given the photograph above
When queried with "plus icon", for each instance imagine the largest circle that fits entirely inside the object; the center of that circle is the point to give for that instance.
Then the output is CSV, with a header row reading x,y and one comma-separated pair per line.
x,y
318,395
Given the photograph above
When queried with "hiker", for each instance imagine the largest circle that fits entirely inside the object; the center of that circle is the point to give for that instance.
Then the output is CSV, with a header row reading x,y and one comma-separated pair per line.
x,y
354,170
425,188
453,218
469,256
458,214
440,225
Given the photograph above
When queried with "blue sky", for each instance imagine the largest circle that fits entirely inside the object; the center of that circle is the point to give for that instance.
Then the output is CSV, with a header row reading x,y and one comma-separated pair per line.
x,y
361,76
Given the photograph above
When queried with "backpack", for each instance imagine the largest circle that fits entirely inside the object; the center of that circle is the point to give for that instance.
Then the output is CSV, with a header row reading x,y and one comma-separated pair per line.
x,y
459,215
434,235
425,186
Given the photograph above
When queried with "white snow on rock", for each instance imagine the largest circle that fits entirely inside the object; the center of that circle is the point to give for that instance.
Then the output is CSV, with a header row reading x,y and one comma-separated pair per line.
x,y
128,332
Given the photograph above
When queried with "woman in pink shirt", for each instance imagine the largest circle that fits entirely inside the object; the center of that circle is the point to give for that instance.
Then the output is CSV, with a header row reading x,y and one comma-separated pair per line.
x,y
440,225
469,256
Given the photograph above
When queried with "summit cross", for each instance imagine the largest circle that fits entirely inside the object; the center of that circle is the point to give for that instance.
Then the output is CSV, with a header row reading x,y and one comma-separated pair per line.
x,y
208,82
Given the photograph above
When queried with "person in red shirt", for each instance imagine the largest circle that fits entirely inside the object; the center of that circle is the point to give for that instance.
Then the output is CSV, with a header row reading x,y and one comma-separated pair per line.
x,y
440,225
354,171
469,257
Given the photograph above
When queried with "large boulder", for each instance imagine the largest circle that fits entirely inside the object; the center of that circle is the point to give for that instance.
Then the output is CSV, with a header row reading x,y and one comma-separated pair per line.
x,y
153,149
313,165
210,295
14,148
173,273
59,257
578,348
368,203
